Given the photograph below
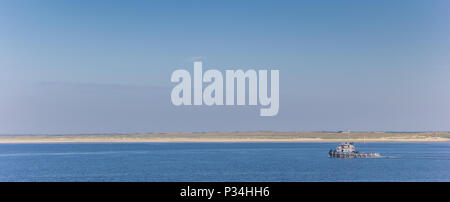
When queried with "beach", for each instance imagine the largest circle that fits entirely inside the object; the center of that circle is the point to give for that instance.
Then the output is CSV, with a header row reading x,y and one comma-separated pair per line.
x,y
262,136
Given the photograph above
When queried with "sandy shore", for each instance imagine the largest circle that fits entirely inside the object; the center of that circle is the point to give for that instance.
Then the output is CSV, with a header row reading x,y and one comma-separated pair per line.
x,y
232,137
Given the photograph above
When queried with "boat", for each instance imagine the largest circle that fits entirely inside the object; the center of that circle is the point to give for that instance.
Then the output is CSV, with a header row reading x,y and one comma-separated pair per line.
x,y
347,150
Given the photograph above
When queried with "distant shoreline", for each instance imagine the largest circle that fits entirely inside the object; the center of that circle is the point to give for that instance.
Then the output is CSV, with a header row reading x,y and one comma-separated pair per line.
x,y
230,137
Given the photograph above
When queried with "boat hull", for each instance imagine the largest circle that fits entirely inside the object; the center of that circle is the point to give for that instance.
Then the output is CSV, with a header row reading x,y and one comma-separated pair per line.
x,y
334,154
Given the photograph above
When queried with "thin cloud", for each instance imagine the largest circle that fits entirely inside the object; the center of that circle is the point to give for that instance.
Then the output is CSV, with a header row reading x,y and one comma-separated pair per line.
x,y
196,58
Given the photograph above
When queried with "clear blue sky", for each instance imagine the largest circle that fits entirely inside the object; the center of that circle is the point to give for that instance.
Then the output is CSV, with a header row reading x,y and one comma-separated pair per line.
x,y
104,66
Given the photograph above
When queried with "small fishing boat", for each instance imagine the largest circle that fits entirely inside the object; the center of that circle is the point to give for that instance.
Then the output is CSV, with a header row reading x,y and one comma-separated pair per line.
x,y
347,150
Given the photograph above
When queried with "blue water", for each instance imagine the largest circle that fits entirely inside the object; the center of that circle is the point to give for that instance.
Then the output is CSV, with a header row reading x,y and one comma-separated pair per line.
x,y
221,162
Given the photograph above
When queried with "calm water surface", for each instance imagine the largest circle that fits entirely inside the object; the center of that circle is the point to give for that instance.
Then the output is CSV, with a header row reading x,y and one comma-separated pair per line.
x,y
221,162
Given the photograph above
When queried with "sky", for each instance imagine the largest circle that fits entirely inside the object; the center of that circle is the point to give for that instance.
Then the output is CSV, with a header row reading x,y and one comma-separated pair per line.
x,y
104,66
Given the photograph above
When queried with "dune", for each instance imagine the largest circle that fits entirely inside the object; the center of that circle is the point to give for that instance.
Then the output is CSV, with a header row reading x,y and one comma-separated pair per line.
x,y
263,136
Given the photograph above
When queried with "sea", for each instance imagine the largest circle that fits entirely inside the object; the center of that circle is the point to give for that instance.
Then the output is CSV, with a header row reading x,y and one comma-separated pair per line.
x,y
211,162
